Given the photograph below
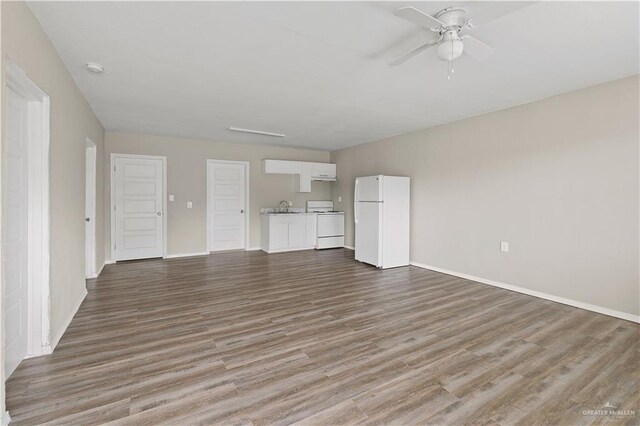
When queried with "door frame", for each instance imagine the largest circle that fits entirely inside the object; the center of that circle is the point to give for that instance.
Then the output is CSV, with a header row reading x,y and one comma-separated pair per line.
x,y
91,177
113,198
246,165
38,216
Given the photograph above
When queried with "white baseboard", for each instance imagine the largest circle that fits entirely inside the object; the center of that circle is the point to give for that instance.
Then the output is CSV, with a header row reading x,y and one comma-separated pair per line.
x,y
97,274
541,295
6,419
199,253
253,249
350,247
101,268
58,336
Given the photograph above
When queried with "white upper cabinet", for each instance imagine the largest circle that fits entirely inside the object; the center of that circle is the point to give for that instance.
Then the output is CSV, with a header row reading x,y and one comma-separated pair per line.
x,y
282,166
306,171
304,180
323,171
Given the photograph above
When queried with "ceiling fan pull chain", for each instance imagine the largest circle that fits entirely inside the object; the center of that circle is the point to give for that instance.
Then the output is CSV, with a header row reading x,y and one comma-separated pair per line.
x,y
450,64
452,57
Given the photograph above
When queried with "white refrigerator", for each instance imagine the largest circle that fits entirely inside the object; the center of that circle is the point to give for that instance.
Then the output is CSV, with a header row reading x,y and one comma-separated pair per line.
x,y
381,213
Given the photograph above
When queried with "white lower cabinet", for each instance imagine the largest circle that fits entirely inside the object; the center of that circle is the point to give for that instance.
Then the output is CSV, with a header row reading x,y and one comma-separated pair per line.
x,y
278,227
288,232
296,231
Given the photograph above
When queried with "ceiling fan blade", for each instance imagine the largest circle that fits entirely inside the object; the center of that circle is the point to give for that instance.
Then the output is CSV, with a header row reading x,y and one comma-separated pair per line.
x,y
495,12
414,52
418,17
477,49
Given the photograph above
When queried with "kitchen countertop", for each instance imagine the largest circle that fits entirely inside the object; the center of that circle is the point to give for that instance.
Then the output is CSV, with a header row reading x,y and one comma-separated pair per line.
x,y
293,210
284,213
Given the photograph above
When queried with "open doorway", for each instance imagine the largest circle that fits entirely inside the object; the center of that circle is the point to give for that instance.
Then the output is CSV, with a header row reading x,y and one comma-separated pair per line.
x,y
25,220
90,210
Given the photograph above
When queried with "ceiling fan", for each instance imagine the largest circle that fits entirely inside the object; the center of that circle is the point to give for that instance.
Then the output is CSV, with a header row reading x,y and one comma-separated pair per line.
x,y
450,26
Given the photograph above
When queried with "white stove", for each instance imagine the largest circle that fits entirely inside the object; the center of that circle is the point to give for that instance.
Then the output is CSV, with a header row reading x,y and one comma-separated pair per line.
x,y
330,224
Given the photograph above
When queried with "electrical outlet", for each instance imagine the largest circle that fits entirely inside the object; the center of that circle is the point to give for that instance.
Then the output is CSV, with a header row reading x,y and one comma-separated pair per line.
x,y
171,197
339,198
504,247
189,204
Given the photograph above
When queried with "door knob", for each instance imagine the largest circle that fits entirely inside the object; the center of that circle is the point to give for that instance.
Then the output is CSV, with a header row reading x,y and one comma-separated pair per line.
x,y
159,213
241,211
88,219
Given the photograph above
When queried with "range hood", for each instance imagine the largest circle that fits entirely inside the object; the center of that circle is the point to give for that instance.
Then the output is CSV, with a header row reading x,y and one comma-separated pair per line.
x,y
324,178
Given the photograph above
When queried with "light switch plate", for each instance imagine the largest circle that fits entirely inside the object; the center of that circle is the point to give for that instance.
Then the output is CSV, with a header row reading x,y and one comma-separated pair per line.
x,y
339,198
171,197
189,204
504,247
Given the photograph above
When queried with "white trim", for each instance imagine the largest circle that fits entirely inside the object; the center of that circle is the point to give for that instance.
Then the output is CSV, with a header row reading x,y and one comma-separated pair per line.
x,y
100,269
247,211
92,175
97,274
539,294
39,109
6,419
66,323
112,178
176,255
350,247
254,248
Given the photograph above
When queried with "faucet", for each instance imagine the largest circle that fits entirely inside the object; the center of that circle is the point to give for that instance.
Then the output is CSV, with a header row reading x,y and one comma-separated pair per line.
x,y
286,206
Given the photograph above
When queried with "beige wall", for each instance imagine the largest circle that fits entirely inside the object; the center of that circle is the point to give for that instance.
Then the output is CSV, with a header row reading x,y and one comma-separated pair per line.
x,y
72,120
186,180
557,179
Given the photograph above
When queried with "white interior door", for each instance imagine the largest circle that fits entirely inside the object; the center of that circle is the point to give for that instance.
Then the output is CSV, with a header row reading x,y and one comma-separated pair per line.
x,y
226,206
15,231
139,207
90,211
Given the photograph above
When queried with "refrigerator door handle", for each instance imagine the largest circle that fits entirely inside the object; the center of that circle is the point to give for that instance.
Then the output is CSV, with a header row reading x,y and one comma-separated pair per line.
x,y
355,202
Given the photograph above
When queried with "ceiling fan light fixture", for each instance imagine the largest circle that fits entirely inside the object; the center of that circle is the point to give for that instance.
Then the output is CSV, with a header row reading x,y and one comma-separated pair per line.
x,y
450,49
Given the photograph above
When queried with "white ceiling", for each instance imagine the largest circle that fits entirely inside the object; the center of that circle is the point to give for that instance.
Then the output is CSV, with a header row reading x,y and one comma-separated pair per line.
x,y
317,71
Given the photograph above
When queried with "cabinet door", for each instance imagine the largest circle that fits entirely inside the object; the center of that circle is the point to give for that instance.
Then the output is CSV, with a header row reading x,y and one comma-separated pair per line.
x,y
310,234
304,184
297,227
278,233
325,170
281,166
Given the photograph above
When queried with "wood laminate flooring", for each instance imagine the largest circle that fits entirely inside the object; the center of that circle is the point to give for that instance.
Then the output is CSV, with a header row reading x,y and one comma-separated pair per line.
x,y
318,338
